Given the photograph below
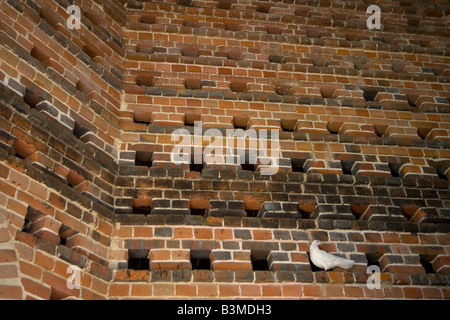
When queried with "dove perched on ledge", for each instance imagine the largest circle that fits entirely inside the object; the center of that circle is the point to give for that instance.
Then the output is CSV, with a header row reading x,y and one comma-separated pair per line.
x,y
327,261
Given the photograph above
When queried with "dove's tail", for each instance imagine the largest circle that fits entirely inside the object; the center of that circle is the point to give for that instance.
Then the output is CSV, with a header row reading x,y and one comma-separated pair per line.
x,y
345,263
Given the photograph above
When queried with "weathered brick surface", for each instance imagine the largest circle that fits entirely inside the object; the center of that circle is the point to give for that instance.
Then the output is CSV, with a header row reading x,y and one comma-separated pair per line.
x,y
88,178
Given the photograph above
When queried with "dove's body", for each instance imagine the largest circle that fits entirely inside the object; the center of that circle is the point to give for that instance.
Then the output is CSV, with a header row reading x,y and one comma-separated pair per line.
x,y
327,261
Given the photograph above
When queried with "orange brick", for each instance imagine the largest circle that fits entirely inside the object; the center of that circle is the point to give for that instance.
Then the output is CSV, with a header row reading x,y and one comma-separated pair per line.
x,y
354,292
119,290
231,265
182,233
432,293
207,290
185,290
312,291
292,290
229,290
412,293
200,233
11,292
36,289
334,291
8,271
223,234
251,290
262,234
141,290
163,290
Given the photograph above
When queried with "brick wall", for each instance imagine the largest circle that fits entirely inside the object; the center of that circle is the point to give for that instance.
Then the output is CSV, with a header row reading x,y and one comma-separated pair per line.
x,y
86,130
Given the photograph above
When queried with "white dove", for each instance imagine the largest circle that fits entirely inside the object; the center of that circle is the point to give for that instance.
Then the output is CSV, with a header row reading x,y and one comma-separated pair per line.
x,y
327,261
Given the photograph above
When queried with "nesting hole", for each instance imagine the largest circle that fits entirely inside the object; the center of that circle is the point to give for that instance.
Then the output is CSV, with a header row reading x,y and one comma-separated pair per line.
x,y
238,86
58,294
200,259
195,166
240,122
327,93
248,167
263,8
79,130
193,84
225,4
65,233
190,118
373,259
144,158
32,215
74,179
142,117
259,259
426,262
145,81
370,95
347,166
297,165
138,259
306,209
198,207
148,19
395,168
32,99
190,52
39,55
142,206
288,125
358,210
186,3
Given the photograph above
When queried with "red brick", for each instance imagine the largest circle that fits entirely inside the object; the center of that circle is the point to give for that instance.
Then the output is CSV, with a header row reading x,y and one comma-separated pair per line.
x,y
7,256
119,290
353,292
262,234
182,233
312,291
57,201
11,292
201,233
163,290
4,235
432,293
271,290
251,290
141,290
393,292
412,293
231,265
229,290
7,189
207,290
36,288
8,271
334,291
185,290
292,290
223,234
44,261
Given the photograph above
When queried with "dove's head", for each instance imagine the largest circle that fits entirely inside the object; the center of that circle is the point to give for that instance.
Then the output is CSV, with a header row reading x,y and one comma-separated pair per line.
x,y
316,243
